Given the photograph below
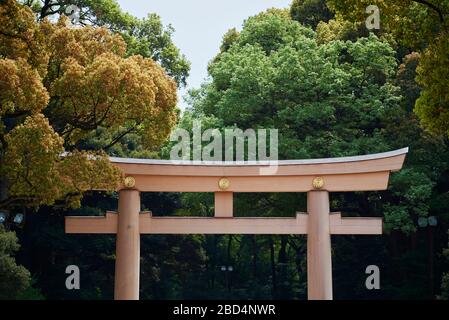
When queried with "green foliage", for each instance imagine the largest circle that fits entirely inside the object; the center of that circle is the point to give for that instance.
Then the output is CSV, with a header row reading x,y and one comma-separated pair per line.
x,y
444,287
406,80
229,38
411,190
59,84
116,145
337,29
445,278
328,97
147,37
432,107
302,87
328,100
48,69
310,12
423,27
14,279
271,30
31,293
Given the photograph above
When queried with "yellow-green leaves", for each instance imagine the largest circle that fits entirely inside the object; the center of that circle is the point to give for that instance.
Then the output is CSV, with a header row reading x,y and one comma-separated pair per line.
x,y
21,37
38,172
432,107
114,91
30,161
57,85
21,88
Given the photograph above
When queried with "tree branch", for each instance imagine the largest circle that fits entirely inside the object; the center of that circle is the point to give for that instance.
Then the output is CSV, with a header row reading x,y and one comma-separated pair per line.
x,y
120,136
46,9
11,200
17,114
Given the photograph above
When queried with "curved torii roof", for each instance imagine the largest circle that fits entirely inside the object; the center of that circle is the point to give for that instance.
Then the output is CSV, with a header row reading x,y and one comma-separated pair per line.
x,y
357,173
373,156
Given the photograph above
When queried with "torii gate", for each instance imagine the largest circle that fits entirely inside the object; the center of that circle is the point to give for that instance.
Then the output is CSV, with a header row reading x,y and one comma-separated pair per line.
x,y
317,177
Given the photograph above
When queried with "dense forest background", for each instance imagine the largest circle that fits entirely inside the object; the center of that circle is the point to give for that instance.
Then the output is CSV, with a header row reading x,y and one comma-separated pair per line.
x,y
313,70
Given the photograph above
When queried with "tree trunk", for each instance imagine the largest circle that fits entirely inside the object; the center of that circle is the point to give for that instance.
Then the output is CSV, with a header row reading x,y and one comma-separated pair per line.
x,y
283,287
282,255
273,269
253,240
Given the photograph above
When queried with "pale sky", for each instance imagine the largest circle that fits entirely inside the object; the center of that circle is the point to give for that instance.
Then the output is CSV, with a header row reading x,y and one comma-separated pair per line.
x,y
199,26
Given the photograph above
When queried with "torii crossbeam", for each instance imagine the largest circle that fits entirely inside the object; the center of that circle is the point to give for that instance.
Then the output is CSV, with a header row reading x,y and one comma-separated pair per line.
x,y
317,177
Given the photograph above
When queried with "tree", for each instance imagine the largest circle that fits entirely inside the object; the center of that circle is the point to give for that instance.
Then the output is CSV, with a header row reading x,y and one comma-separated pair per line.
x,y
445,279
337,29
14,279
147,37
432,107
406,80
327,99
423,26
228,39
58,85
310,12
346,107
150,39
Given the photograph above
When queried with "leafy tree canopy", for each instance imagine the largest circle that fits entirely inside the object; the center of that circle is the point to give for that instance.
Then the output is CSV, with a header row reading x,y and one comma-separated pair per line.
x,y
147,37
310,12
423,26
14,279
58,84
332,99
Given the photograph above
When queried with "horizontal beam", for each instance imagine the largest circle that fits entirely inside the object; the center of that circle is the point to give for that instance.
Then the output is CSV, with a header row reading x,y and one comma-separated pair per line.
x,y
334,183
354,225
228,225
201,225
190,225
92,224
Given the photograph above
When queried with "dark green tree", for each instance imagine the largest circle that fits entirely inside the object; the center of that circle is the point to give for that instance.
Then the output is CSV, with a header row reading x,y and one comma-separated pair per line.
x,y
331,99
14,279
310,12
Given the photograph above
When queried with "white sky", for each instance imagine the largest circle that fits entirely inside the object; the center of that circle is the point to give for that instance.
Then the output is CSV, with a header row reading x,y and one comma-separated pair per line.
x,y
200,25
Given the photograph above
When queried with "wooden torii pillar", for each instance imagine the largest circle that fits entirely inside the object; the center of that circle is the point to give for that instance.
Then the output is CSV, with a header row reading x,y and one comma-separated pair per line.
x,y
317,177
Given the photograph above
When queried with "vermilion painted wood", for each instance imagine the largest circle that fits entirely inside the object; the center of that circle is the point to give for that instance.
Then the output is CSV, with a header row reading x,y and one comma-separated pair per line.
x,y
319,253
105,224
223,204
127,262
362,173
344,182
224,225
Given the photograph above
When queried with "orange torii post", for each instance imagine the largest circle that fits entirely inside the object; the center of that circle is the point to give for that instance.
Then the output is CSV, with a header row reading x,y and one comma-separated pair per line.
x,y
317,177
